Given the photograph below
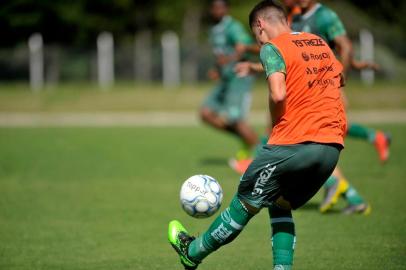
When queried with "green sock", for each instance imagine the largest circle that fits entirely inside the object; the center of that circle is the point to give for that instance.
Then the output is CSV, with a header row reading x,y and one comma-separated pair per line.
x,y
283,237
352,196
361,132
224,229
330,181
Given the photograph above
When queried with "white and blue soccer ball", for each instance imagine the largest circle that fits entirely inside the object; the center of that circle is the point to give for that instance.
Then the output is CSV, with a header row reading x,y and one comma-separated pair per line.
x,y
201,196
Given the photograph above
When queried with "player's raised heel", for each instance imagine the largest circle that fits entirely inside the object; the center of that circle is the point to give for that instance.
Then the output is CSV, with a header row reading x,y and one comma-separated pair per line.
x,y
180,240
382,143
332,195
363,208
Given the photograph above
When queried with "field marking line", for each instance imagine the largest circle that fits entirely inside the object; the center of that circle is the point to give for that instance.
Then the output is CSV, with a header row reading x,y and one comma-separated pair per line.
x,y
161,118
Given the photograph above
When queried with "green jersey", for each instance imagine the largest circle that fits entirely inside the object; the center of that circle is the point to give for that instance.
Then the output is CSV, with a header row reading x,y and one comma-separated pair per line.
x,y
321,21
223,38
271,60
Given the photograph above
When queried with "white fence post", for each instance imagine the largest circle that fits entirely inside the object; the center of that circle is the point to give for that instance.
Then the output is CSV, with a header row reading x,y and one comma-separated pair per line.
x,y
170,59
35,45
190,39
105,60
367,54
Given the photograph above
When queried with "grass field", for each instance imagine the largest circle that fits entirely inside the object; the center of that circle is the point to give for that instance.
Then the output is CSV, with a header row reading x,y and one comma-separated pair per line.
x,y
143,97
101,198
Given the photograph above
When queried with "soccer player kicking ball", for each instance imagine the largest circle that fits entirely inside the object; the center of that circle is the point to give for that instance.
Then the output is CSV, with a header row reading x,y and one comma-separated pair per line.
x,y
308,126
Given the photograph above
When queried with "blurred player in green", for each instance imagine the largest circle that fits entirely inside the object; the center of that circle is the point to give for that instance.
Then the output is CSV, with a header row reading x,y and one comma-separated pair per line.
x,y
228,104
324,22
310,16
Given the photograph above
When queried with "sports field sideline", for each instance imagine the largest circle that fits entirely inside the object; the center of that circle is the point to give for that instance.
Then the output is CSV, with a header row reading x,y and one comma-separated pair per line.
x,y
103,119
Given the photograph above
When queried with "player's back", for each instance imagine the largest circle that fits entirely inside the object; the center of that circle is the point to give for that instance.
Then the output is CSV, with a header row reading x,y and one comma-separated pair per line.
x,y
314,110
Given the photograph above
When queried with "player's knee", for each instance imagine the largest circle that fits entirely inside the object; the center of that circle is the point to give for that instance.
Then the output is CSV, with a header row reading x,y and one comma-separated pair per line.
x,y
249,208
205,114
283,203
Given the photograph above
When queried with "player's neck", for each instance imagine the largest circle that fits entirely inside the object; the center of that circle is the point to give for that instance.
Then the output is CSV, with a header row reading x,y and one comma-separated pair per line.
x,y
280,29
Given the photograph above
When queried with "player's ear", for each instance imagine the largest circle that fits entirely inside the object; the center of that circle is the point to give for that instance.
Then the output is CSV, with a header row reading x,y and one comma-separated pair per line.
x,y
259,23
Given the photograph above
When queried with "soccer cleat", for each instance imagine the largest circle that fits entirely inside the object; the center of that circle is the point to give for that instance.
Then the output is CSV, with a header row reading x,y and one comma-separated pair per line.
x,y
240,166
363,208
332,195
382,143
180,240
243,153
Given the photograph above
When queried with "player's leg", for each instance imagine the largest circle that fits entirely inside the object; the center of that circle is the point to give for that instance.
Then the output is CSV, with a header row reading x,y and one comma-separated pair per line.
x,y
227,226
245,204
210,111
305,173
237,105
283,237
337,185
380,139
356,203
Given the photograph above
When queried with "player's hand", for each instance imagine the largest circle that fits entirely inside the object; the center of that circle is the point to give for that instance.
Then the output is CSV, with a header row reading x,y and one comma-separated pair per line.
x,y
240,49
242,69
374,66
213,74
222,59
360,65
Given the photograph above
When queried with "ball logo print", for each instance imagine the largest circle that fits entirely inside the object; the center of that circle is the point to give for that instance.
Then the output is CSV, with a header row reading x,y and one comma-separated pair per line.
x,y
201,196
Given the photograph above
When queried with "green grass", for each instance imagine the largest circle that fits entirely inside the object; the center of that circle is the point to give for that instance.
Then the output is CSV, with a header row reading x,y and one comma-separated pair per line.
x,y
83,198
78,97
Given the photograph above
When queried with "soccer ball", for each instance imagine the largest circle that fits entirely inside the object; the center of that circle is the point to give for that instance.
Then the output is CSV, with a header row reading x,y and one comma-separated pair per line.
x,y
201,196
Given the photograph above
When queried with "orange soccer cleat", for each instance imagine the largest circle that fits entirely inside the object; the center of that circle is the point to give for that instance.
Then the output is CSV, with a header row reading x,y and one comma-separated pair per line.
x,y
382,142
240,166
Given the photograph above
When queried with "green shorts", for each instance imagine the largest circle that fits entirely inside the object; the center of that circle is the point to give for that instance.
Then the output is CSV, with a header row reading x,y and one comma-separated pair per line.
x,y
294,171
231,98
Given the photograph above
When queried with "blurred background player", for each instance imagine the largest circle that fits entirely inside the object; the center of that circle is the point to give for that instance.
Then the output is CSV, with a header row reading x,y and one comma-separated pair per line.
x,y
228,104
292,9
324,22
310,16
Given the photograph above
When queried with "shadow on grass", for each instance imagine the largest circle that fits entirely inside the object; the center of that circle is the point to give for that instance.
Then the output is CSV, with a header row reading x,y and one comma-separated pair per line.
x,y
313,206
214,161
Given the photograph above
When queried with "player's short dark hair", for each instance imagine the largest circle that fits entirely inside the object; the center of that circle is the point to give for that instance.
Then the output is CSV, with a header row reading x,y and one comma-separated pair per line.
x,y
225,2
267,5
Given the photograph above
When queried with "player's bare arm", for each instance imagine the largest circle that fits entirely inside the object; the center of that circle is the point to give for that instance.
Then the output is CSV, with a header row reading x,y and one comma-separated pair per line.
x,y
344,48
246,68
240,50
360,65
277,96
